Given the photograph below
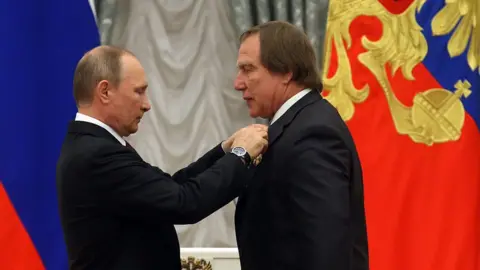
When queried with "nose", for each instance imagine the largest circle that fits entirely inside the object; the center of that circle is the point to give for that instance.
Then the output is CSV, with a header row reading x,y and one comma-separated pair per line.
x,y
146,105
239,83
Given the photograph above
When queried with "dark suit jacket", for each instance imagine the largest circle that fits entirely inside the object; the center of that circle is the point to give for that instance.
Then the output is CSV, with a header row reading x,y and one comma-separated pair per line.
x,y
118,212
304,208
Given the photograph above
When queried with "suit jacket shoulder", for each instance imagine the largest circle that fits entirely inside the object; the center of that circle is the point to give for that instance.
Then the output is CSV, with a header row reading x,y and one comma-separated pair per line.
x,y
118,211
308,192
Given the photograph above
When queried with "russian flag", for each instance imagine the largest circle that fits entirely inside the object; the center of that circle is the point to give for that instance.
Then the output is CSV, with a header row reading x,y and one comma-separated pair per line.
x,y
418,131
41,42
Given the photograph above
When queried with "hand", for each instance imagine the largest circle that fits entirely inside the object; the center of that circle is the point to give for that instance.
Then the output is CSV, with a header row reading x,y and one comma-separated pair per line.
x,y
227,144
253,138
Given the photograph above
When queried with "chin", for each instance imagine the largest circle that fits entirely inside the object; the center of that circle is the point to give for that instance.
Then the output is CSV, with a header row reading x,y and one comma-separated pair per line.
x,y
256,114
253,113
133,130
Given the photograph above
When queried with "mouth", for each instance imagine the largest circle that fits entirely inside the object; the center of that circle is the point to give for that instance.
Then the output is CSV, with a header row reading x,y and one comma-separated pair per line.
x,y
249,102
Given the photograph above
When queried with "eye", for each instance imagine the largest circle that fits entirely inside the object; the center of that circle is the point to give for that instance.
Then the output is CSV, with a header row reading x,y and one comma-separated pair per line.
x,y
141,90
247,68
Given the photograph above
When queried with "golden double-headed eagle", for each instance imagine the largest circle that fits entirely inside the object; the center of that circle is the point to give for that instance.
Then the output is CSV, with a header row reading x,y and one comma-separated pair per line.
x,y
437,115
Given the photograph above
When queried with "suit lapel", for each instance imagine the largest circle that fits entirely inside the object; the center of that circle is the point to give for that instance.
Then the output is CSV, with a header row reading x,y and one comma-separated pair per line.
x,y
274,133
80,127
277,128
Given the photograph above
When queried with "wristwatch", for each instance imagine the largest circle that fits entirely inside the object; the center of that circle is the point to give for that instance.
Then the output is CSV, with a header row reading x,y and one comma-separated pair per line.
x,y
243,154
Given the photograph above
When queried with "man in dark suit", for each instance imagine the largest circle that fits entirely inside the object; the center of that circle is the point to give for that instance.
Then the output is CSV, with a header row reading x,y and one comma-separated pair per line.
x,y
117,211
304,209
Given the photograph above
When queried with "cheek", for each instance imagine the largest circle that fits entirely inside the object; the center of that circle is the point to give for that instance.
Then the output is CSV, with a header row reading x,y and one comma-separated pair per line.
x,y
118,106
128,107
136,105
259,89
252,84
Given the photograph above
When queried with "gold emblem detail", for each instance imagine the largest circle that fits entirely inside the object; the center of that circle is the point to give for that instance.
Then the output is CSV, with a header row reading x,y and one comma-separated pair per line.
x,y
436,116
342,92
465,14
402,45
191,263
439,114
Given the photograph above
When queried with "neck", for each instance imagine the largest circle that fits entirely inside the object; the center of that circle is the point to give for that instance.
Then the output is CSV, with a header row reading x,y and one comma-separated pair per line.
x,y
102,117
92,112
289,92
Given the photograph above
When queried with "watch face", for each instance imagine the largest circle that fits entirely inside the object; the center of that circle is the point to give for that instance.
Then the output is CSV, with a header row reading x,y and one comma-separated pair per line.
x,y
239,151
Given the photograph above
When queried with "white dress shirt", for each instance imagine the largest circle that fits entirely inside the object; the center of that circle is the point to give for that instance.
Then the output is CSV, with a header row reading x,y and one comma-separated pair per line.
x,y
289,103
86,118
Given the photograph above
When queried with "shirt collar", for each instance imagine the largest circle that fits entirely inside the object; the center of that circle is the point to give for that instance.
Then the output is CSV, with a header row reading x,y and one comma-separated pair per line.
x,y
89,119
289,103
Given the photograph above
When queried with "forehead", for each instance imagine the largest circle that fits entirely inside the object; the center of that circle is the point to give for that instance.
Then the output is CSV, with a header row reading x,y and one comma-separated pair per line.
x,y
132,69
249,52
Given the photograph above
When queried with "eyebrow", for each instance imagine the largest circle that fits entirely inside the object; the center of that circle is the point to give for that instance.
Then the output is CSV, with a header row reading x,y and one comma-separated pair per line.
x,y
143,87
243,65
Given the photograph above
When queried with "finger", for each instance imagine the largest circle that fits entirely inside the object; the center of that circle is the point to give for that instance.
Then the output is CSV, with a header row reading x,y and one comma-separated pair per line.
x,y
260,129
264,142
265,148
259,125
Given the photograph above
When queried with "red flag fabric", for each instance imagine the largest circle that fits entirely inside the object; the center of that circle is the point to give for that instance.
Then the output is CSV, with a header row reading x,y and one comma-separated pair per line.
x,y
405,76
41,44
16,248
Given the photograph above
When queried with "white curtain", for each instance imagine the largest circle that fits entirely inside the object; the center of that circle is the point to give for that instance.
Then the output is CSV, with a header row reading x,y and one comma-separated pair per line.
x,y
189,50
309,15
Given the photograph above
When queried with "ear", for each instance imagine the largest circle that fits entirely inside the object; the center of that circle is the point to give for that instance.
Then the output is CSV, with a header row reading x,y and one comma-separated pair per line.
x,y
287,77
102,91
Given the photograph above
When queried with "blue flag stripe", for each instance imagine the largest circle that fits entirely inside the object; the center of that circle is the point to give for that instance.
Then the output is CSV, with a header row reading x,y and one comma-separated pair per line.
x,y
41,44
445,69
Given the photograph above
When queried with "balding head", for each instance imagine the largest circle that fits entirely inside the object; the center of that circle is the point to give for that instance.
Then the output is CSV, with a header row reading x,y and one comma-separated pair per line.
x,y
110,85
101,63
